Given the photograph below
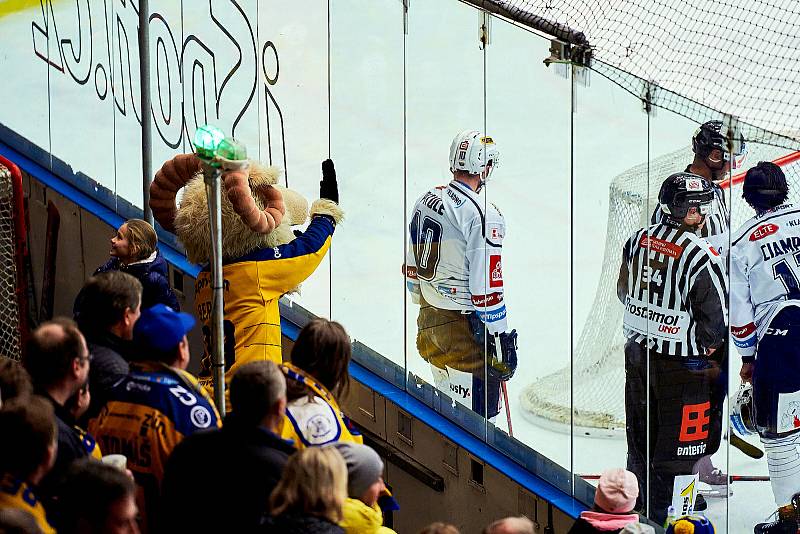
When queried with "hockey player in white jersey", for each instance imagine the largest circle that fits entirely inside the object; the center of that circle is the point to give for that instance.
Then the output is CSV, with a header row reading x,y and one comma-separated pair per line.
x,y
765,320
672,284
454,271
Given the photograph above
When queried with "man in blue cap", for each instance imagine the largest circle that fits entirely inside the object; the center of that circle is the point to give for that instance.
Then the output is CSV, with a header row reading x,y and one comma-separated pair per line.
x,y
157,404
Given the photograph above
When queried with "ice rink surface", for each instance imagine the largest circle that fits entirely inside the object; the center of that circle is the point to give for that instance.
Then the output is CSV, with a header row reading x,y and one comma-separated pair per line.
x,y
393,104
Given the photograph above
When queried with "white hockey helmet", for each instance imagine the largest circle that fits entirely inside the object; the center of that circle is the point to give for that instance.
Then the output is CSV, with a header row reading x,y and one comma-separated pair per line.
x,y
742,418
471,152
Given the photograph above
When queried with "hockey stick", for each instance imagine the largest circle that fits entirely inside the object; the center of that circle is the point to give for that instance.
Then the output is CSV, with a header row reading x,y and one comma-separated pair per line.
x,y
747,448
504,389
50,253
733,478
498,357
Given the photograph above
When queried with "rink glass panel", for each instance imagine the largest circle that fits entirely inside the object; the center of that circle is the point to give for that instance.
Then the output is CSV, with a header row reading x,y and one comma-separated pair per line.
x,y
293,115
746,501
444,95
530,122
752,501
28,88
366,133
609,136
77,97
670,152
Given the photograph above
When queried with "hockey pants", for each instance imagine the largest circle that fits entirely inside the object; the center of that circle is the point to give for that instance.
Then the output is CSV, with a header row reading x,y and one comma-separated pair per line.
x,y
683,424
776,398
445,341
776,377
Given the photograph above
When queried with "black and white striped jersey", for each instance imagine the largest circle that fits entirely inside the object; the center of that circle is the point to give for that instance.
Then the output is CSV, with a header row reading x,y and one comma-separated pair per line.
x,y
673,285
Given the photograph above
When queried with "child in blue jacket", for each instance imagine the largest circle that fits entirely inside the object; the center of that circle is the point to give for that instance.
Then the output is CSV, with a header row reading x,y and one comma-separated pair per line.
x,y
134,250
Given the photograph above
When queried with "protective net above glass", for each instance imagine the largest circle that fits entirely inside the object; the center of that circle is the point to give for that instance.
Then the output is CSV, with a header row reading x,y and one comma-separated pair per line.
x,y
738,57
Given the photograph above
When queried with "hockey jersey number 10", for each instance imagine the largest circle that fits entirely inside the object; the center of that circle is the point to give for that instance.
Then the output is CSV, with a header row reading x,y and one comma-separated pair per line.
x,y
454,254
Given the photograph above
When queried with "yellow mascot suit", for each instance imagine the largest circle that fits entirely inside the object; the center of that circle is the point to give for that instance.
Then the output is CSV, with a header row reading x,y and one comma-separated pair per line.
x,y
262,258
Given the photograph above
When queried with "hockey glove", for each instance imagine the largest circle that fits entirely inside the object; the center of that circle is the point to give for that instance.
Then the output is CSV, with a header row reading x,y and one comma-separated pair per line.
x,y
328,187
504,362
478,329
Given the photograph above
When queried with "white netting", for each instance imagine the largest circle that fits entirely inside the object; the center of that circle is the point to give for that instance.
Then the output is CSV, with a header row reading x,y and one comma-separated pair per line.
x,y
10,338
738,57
598,359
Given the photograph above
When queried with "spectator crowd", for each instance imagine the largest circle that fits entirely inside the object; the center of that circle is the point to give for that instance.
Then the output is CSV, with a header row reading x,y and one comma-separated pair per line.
x,y
105,430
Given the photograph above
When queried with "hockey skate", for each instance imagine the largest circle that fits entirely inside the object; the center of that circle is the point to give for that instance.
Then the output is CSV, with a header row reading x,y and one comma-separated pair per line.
x,y
700,504
787,521
713,477
779,526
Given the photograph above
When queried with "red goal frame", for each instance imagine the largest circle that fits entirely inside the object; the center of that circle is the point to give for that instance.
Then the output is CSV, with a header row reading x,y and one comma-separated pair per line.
x,y
21,252
737,179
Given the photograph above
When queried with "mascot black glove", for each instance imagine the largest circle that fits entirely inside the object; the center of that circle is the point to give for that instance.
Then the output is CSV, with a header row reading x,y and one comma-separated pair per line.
x,y
328,187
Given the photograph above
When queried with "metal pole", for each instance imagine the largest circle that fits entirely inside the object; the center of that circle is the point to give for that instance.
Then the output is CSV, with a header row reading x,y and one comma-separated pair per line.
x,y
214,149
535,22
214,194
144,77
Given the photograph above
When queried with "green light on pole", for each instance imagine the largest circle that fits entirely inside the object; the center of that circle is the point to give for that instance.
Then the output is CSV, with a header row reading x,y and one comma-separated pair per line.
x,y
207,139
231,149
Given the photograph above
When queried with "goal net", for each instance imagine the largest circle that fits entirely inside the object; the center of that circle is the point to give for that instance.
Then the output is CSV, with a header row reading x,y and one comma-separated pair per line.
x,y
597,375
13,243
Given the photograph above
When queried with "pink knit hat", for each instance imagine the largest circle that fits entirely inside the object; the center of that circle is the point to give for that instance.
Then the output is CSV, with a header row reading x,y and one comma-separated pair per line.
x,y
617,491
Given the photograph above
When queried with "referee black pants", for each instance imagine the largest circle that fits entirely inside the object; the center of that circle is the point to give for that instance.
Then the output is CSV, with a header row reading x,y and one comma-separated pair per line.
x,y
679,406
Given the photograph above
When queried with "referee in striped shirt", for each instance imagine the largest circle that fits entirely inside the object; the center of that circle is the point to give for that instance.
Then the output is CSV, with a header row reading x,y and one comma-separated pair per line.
x,y
673,285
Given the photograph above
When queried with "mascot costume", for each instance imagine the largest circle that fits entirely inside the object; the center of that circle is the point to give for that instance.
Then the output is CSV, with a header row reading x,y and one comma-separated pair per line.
x,y
262,258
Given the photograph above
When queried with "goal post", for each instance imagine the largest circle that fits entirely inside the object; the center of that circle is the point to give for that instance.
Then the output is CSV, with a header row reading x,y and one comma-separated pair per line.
x,y
589,394
13,254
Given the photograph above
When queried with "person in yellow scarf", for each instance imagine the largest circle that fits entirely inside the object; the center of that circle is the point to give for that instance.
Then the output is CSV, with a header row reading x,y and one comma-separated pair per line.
x,y
317,375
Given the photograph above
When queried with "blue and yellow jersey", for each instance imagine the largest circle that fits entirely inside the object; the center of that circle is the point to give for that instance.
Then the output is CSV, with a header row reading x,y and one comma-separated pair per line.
x,y
252,286
148,413
316,420
18,495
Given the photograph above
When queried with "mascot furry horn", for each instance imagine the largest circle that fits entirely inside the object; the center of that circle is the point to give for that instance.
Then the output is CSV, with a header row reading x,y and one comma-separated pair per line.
x,y
263,259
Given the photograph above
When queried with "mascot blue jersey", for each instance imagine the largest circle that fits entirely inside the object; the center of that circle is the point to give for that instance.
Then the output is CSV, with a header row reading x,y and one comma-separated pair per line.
x,y
252,286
